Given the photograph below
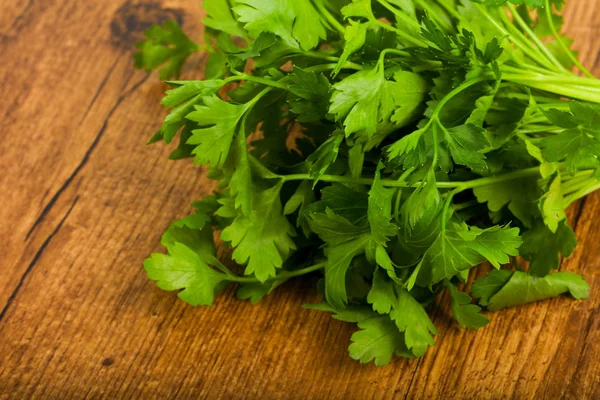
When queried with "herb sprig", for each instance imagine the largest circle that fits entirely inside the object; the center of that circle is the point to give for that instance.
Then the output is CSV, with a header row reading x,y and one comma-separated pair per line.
x,y
390,145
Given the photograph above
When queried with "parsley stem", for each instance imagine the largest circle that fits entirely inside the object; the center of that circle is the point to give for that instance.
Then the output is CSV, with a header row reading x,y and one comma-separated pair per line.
x,y
328,67
462,185
435,15
347,64
517,17
329,18
257,79
532,50
562,44
527,50
450,9
456,91
581,193
400,33
540,129
280,276
385,52
399,14
465,205
571,80
576,92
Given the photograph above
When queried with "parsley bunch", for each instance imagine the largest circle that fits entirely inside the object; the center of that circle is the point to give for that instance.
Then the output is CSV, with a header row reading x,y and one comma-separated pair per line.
x,y
391,145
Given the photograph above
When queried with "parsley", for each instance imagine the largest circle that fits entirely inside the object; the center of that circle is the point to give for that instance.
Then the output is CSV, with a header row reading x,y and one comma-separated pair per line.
x,y
391,146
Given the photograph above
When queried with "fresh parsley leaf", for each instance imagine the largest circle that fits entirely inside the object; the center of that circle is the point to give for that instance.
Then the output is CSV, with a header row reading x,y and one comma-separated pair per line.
x,y
185,269
218,123
542,247
466,314
522,288
263,239
220,18
165,44
408,141
297,22
460,248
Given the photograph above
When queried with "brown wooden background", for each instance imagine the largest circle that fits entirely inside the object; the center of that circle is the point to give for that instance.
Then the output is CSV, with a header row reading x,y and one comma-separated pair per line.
x,y
83,201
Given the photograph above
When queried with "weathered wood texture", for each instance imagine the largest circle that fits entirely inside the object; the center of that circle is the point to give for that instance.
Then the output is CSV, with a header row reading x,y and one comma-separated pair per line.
x,y
84,201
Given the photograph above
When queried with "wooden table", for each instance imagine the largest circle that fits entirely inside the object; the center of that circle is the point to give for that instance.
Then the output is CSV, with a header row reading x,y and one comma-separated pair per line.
x,y
84,201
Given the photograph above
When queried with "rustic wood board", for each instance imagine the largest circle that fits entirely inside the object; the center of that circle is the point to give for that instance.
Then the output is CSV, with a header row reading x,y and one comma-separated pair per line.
x,y
84,202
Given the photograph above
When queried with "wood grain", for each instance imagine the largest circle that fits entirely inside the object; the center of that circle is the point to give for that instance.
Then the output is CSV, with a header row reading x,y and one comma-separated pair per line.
x,y
84,202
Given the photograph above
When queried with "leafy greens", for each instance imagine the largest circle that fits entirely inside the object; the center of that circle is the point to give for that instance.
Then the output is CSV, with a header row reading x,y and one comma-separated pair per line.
x,y
393,146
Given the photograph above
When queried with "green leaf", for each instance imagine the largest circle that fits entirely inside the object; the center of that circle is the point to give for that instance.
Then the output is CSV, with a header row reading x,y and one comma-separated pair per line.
x,y
542,247
382,295
553,205
466,314
300,200
219,122
362,100
241,184
578,144
466,144
354,38
309,97
519,195
358,8
410,150
165,44
339,257
183,268
379,211
256,291
410,317
324,156
484,288
409,91
190,229
344,202
296,22
422,201
378,340
524,288
460,248
220,17
262,240
185,90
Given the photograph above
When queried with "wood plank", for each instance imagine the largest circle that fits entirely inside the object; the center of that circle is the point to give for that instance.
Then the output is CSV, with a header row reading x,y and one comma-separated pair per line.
x,y
84,202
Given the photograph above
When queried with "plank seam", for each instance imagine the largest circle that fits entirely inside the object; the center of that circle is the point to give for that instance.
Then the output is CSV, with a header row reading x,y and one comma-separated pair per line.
x,y
36,258
84,160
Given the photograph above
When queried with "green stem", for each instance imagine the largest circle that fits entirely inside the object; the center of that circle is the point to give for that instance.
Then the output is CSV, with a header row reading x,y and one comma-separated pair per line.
x,y
447,205
329,18
456,91
526,50
399,32
465,205
585,83
582,193
562,44
328,67
385,52
490,180
399,14
252,78
433,14
576,92
450,9
281,276
317,55
531,51
536,40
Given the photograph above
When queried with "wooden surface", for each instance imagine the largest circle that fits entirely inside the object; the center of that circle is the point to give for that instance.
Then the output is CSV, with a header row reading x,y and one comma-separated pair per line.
x,y
83,202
